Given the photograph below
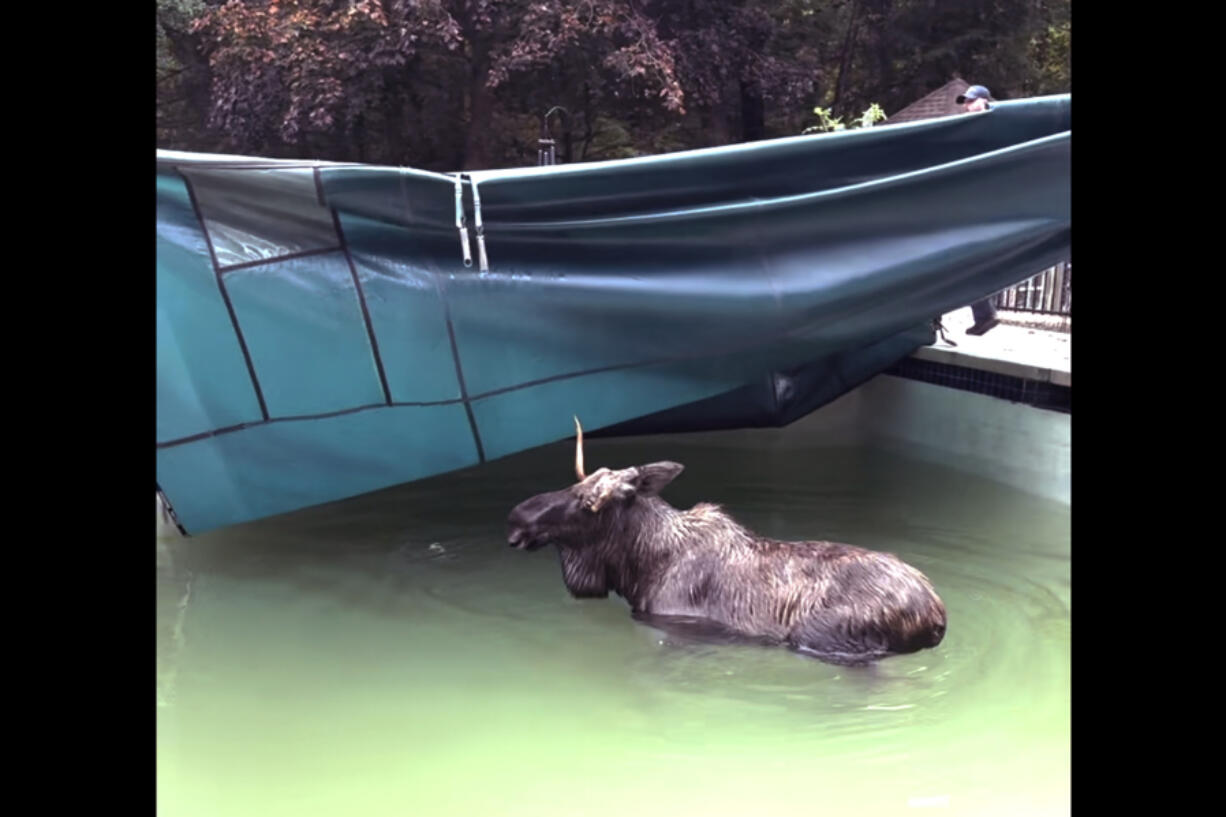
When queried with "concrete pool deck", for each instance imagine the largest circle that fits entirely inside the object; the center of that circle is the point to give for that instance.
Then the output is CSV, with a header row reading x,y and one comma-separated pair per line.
x,y
1027,352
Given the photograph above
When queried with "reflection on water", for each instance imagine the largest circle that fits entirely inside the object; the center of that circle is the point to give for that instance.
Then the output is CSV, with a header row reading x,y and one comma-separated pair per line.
x,y
390,655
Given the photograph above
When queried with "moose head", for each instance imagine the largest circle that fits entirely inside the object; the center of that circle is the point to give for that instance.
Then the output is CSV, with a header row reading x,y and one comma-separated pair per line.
x,y
589,510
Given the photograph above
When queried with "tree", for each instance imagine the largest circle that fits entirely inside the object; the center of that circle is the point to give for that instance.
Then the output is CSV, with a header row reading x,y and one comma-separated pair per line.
x,y
463,84
295,70
183,78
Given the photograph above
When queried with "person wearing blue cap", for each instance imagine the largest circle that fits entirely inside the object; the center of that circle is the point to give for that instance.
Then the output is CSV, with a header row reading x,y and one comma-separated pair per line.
x,y
973,99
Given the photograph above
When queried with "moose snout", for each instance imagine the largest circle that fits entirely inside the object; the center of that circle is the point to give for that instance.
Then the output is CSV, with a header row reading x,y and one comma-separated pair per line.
x,y
528,525
518,524
521,539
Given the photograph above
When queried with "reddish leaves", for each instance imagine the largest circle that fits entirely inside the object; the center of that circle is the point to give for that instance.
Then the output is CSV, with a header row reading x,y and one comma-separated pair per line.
x,y
295,67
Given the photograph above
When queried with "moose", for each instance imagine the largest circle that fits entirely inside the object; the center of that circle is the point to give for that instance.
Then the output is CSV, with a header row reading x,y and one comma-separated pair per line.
x,y
679,569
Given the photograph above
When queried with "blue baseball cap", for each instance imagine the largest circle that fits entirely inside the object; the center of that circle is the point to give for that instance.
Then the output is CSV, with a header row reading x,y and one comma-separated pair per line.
x,y
974,92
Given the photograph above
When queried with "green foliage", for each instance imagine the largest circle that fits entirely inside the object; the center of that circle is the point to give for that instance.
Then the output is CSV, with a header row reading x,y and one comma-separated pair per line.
x,y
871,116
828,123
1050,57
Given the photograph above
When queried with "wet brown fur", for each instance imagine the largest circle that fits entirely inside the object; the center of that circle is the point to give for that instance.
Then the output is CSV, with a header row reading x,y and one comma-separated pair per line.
x,y
840,603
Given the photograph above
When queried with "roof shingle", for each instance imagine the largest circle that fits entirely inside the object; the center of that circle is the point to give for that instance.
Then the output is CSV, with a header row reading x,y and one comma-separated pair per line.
x,y
938,103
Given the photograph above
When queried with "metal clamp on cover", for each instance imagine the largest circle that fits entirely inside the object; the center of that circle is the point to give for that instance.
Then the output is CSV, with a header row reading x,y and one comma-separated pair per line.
x,y
484,261
461,223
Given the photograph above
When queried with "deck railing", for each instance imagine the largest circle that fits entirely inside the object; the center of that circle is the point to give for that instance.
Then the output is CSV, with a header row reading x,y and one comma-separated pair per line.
x,y
1050,292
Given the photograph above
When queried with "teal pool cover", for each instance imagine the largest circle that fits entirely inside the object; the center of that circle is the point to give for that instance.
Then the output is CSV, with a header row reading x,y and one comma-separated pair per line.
x,y
325,330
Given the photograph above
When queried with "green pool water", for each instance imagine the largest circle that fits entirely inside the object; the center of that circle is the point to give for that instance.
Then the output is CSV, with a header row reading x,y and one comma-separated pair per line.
x,y
390,655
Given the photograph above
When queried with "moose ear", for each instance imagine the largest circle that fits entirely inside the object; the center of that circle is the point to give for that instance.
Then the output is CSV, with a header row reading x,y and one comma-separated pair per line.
x,y
655,477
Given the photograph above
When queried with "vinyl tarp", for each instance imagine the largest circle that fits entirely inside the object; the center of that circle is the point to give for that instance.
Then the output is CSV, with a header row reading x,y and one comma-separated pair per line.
x,y
319,334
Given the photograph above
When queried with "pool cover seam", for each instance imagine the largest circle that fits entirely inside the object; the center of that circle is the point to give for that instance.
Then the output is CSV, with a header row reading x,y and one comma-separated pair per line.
x,y
225,296
370,327
493,393
297,417
277,259
467,399
459,369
